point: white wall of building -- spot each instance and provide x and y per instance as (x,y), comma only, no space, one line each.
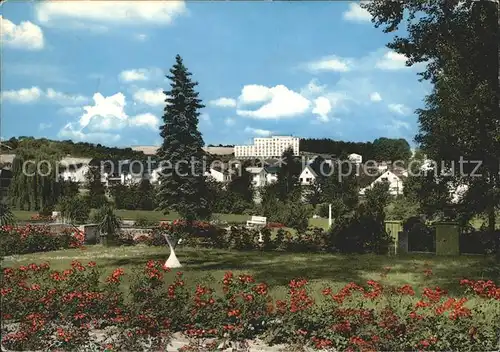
(395,183)
(355,158)
(268,147)
(307,176)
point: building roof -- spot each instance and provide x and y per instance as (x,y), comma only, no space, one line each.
(271,169)
(151,150)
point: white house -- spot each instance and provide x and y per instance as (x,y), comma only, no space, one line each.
(307,176)
(218,175)
(355,158)
(259,176)
(74,169)
(395,183)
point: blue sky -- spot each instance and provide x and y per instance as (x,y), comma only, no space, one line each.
(95,72)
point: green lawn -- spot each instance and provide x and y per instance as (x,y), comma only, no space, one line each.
(278,268)
(157,216)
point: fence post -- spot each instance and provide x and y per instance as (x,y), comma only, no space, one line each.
(447,238)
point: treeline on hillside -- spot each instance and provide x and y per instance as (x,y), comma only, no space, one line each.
(381,149)
(79,149)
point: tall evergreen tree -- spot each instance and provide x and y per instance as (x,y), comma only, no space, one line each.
(288,174)
(95,187)
(182,183)
(242,185)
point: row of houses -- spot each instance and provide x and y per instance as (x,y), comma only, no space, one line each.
(128,172)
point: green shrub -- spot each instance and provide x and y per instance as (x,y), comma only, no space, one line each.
(360,232)
(76,209)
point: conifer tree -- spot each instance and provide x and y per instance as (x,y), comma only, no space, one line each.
(182,182)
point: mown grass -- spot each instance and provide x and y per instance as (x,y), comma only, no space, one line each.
(156,216)
(277,268)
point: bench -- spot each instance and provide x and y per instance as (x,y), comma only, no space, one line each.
(257,221)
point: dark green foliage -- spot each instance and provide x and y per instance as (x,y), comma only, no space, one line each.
(37,186)
(382,149)
(340,186)
(80,149)
(6,215)
(360,232)
(421,236)
(108,222)
(94,186)
(75,209)
(402,208)
(288,175)
(183,188)
(386,149)
(461,118)
(242,185)
(377,198)
(224,201)
(139,196)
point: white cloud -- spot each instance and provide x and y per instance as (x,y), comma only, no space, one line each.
(375,96)
(68,131)
(392,61)
(150,97)
(397,124)
(140,74)
(312,89)
(223,102)
(107,113)
(282,102)
(229,121)
(146,119)
(30,95)
(109,12)
(322,108)
(25,35)
(103,116)
(400,109)
(141,37)
(71,110)
(42,126)
(65,99)
(22,96)
(330,63)
(254,93)
(357,14)
(380,59)
(258,131)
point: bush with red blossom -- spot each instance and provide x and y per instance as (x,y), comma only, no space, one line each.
(44,309)
(36,238)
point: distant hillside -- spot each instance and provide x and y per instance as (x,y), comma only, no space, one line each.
(79,149)
(381,149)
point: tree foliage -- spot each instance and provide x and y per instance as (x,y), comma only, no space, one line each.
(182,188)
(6,215)
(458,40)
(79,149)
(288,175)
(381,149)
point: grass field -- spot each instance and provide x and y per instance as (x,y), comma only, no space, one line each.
(157,216)
(277,269)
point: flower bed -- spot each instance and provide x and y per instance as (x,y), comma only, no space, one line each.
(73,309)
(237,238)
(35,238)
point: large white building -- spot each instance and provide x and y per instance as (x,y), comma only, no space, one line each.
(267,147)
